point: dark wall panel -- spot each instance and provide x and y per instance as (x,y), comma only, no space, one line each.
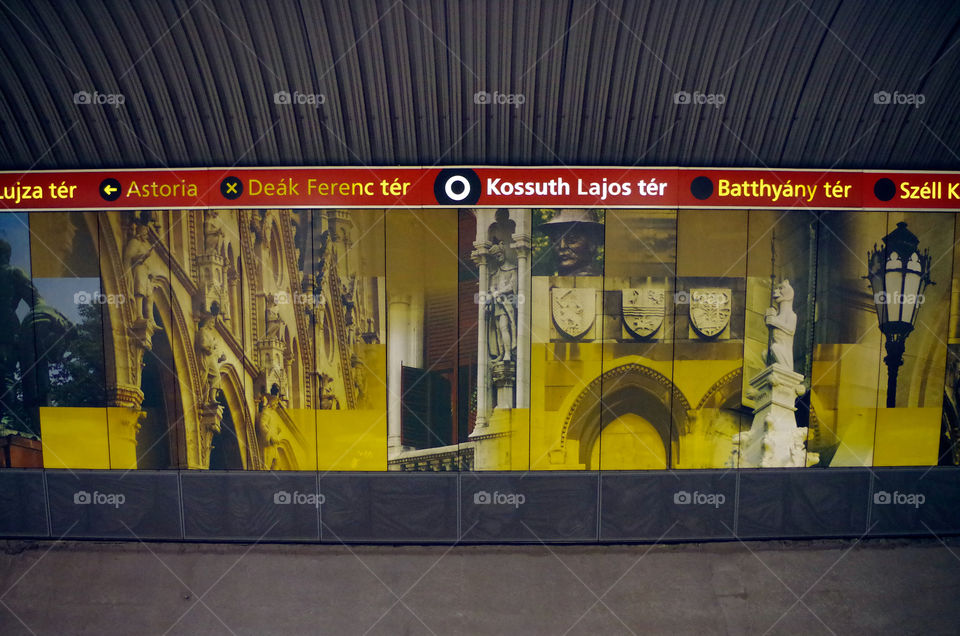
(362,82)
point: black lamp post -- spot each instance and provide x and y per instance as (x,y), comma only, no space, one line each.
(899,273)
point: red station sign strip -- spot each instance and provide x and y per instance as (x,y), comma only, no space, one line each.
(448,187)
(777,189)
(328,187)
(81,189)
(911,190)
(578,187)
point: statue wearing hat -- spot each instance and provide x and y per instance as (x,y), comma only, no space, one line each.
(575,236)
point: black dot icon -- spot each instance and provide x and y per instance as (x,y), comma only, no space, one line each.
(884,189)
(701,188)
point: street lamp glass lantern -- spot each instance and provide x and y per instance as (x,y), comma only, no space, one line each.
(898,273)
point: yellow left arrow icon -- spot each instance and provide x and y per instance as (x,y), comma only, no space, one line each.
(110,189)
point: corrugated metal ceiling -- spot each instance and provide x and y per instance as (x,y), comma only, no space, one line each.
(399,78)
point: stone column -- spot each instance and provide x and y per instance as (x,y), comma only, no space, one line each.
(504,373)
(774,440)
(211,280)
(211,415)
(124,417)
(404,348)
(479,255)
(397,319)
(270,355)
(233,298)
(521,243)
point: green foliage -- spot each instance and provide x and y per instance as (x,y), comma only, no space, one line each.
(15,417)
(78,379)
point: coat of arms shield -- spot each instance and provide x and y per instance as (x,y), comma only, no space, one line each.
(574,310)
(643,309)
(710,310)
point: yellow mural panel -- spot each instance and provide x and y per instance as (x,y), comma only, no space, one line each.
(351,440)
(644,339)
(855,432)
(297,449)
(907,437)
(75,438)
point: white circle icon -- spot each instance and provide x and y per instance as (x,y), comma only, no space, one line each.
(448,189)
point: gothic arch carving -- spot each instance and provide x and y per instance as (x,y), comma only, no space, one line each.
(114,276)
(628,388)
(276,253)
(181,342)
(113,281)
(233,393)
(304,333)
(723,390)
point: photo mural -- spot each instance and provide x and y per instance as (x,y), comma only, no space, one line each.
(479,339)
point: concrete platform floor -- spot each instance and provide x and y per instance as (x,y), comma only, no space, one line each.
(821,587)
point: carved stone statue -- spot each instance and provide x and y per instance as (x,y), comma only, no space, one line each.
(774,440)
(211,358)
(135,255)
(349,300)
(328,399)
(273,324)
(271,349)
(320,309)
(212,232)
(799,456)
(358,376)
(502,307)
(782,323)
(215,279)
(268,433)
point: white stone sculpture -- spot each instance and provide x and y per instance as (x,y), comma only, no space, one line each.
(774,439)
(782,322)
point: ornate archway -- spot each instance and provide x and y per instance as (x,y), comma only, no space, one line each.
(725,392)
(628,389)
(234,437)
